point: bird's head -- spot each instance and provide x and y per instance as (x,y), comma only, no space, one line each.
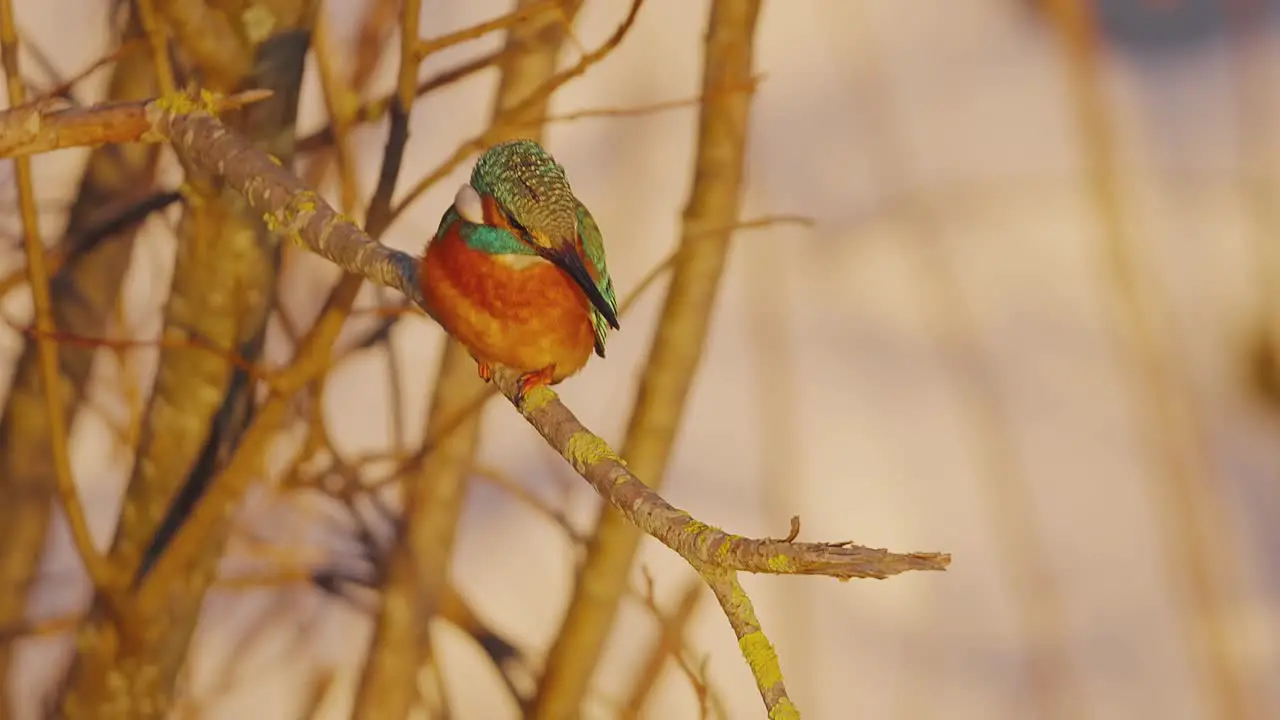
(517,187)
(518,202)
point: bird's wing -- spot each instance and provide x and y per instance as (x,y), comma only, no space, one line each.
(593,249)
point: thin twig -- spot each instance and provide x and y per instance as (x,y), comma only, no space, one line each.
(523,11)
(158,41)
(518,111)
(302,215)
(1196,532)
(676,352)
(101,574)
(51,125)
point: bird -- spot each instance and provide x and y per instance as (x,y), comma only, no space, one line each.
(516,270)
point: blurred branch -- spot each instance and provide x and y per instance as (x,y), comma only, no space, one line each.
(1254,96)
(1026,557)
(378,22)
(52,124)
(371,111)
(521,109)
(158,41)
(337,101)
(128,46)
(514,667)
(90,262)
(300,214)
(675,354)
(523,12)
(418,565)
(667,644)
(391,682)
(222,291)
(212,40)
(1195,531)
(55,410)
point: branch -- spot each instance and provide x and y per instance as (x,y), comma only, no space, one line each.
(52,124)
(701,544)
(303,216)
(523,11)
(100,573)
(211,39)
(418,565)
(291,209)
(530,103)
(90,265)
(222,291)
(1193,524)
(676,352)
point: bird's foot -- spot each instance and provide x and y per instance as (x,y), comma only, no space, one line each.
(484,370)
(531,380)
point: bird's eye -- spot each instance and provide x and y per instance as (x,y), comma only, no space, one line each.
(469,205)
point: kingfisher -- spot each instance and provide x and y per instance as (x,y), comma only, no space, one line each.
(516,270)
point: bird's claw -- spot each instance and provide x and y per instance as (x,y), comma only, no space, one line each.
(485,372)
(531,380)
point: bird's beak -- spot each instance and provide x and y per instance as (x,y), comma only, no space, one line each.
(567,258)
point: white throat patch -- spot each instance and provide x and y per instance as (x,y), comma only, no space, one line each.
(469,205)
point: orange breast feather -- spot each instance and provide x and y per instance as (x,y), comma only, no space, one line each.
(526,318)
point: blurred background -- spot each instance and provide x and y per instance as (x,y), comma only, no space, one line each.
(1035,323)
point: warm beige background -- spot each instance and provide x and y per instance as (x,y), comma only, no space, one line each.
(822,392)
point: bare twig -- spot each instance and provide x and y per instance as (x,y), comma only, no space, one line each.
(210,37)
(113,198)
(158,41)
(418,565)
(522,109)
(1195,530)
(52,125)
(374,110)
(988,426)
(666,645)
(302,215)
(523,12)
(104,579)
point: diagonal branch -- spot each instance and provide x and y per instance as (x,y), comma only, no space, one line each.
(419,563)
(90,263)
(44,125)
(303,216)
(676,352)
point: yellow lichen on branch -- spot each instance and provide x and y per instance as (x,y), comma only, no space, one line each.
(699,543)
(270,189)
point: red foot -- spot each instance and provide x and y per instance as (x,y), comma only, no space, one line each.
(531,380)
(486,372)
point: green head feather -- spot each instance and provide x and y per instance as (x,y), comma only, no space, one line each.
(534,191)
(531,186)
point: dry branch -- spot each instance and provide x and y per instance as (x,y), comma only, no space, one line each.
(47,350)
(676,351)
(418,565)
(1026,556)
(523,11)
(302,215)
(667,644)
(217,46)
(84,289)
(1192,521)
(222,291)
(45,125)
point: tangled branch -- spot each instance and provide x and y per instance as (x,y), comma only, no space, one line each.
(300,214)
